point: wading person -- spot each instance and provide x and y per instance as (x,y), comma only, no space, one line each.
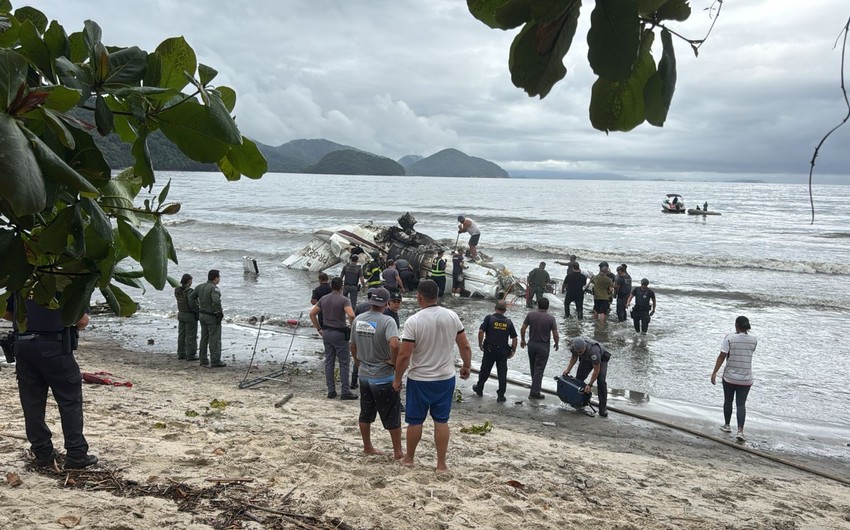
(592,358)
(603,287)
(372,270)
(736,350)
(187,320)
(45,361)
(208,299)
(497,340)
(538,278)
(336,308)
(427,348)
(644,298)
(352,279)
(542,328)
(438,272)
(468,226)
(374,343)
(574,284)
(622,288)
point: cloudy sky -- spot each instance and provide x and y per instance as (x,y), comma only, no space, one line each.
(399,77)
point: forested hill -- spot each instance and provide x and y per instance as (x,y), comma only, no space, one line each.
(309,156)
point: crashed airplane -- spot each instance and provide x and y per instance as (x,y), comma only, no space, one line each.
(482,278)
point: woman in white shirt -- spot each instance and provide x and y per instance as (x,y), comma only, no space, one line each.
(737,351)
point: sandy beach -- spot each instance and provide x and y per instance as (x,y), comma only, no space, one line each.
(179,425)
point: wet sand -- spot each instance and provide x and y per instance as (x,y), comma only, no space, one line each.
(542,465)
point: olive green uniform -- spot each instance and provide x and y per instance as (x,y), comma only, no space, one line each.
(187,324)
(208,298)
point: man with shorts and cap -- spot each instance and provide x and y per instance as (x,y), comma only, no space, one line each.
(427,347)
(591,357)
(467,225)
(603,288)
(374,344)
(644,298)
(494,335)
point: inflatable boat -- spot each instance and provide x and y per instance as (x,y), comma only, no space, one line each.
(692,211)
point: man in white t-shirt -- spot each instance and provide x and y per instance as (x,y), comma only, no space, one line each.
(428,349)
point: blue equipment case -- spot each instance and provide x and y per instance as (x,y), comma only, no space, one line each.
(570,390)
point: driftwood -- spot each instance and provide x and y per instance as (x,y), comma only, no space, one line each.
(229,480)
(283,400)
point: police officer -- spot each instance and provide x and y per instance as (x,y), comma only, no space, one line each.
(644,298)
(538,278)
(45,359)
(591,356)
(187,320)
(352,278)
(372,271)
(493,335)
(622,287)
(438,272)
(208,298)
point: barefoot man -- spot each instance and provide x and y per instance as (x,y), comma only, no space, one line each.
(374,342)
(428,348)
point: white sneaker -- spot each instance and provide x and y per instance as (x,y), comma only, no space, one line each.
(726,428)
(740,436)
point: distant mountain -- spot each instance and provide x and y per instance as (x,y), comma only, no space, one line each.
(453,163)
(409,160)
(298,155)
(353,162)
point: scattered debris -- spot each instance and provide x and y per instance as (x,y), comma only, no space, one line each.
(191,413)
(69,521)
(13,479)
(283,400)
(478,429)
(516,484)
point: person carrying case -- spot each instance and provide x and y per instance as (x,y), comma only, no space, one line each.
(571,392)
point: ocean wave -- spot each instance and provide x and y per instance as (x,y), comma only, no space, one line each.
(834,235)
(759,299)
(701,261)
(255,229)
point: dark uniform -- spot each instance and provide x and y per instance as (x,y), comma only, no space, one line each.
(640,314)
(45,360)
(457,273)
(537,280)
(595,354)
(372,272)
(208,298)
(351,274)
(498,332)
(438,274)
(622,287)
(187,324)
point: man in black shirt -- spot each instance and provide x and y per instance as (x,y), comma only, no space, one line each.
(644,298)
(574,284)
(320,291)
(493,337)
(622,288)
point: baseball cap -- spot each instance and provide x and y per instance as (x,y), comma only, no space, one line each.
(370,292)
(395,297)
(380,296)
(644,281)
(578,344)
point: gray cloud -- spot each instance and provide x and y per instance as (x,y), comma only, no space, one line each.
(399,77)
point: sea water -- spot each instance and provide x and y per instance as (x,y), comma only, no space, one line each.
(761,258)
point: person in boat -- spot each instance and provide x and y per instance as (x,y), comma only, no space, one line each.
(438,272)
(497,339)
(698,207)
(644,298)
(704,206)
(187,321)
(45,360)
(352,279)
(468,226)
(537,280)
(736,351)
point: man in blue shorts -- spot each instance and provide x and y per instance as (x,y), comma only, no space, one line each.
(374,343)
(428,349)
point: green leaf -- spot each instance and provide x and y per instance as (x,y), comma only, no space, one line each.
(53,239)
(485,11)
(196,130)
(33,15)
(79,52)
(23,184)
(44,291)
(117,196)
(155,255)
(224,122)
(647,8)
(227,169)
(164,193)
(58,128)
(659,90)
(131,239)
(102,116)
(75,77)
(619,105)
(15,270)
(548,11)
(124,129)
(57,41)
(613,39)
(96,247)
(127,280)
(55,168)
(76,298)
(206,74)
(87,159)
(36,50)
(228,97)
(9,36)
(177,57)
(513,14)
(61,98)
(536,61)
(143,165)
(121,304)
(98,220)
(247,159)
(127,67)
(78,243)
(677,10)
(91,37)
(14,69)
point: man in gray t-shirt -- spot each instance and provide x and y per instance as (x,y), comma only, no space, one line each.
(335,309)
(374,343)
